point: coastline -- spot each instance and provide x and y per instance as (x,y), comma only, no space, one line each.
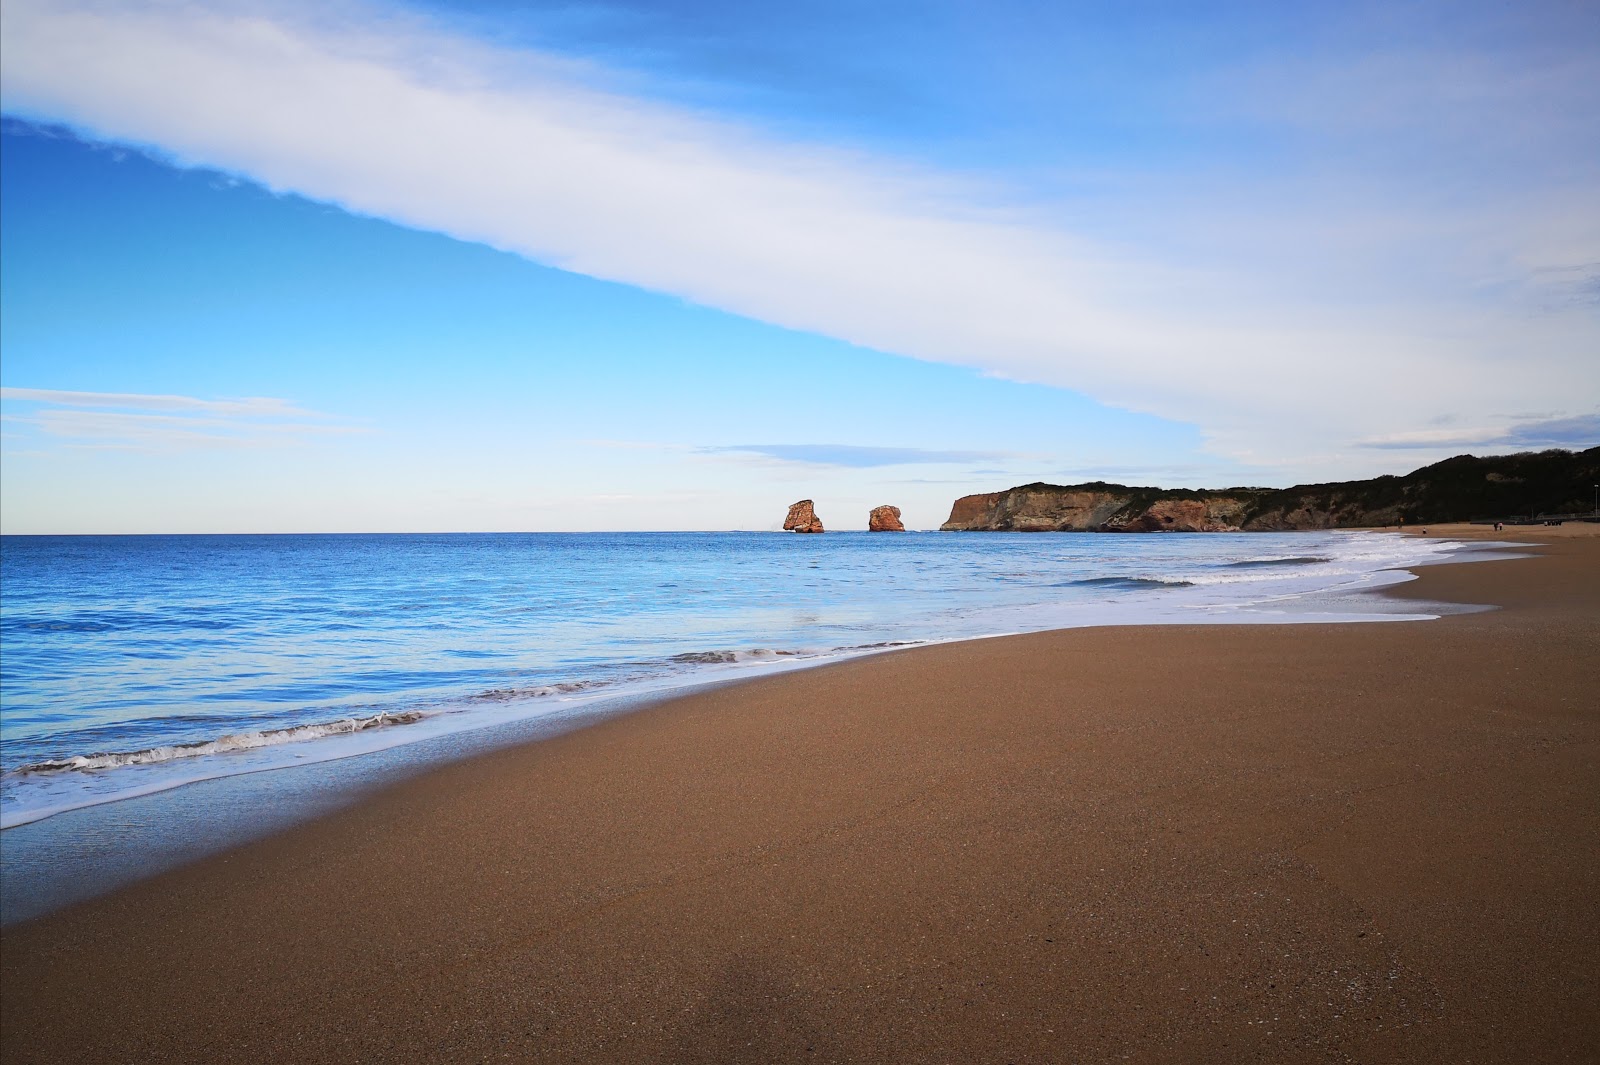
(505,664)
(1180,842)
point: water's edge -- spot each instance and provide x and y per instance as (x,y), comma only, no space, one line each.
(85,852)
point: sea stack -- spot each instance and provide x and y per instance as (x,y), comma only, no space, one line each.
(885,519)
(803,518)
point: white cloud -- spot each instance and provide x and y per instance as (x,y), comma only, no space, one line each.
(133,421)
(856,457)
(1576,433)
(253,406)
(1287,322)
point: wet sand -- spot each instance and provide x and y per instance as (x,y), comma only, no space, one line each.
(1372,843)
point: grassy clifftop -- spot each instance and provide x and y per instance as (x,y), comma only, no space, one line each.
(1463,488)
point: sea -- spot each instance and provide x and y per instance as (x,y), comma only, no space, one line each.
(137,670)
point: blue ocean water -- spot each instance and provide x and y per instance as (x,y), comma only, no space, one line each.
(134,664)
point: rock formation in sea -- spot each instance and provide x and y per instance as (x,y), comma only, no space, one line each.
(1464,488)
(803,518)
(885,519)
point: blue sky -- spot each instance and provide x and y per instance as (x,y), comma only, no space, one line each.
(675,265)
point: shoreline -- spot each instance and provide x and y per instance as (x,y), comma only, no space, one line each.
(1036,846)
(432,728)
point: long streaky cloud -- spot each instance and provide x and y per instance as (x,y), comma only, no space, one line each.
(252,407)
(1577,433)
(397,119)
(163,422)
(857,457)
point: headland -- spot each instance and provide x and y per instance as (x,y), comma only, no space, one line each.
(1551,484)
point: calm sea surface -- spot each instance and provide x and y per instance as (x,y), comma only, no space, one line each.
(130,665)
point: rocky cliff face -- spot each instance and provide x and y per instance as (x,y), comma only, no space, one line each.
(885,519)
(1050,508)
(1097,508)
(1216,514)
(972,512)
(803,518)
(1464,488)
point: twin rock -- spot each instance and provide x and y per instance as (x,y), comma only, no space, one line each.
(803,519)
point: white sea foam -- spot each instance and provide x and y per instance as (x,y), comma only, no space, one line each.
(242,741)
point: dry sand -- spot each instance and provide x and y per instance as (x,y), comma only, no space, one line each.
(1370,843)
(1535,534)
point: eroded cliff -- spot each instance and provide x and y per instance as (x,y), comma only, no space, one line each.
(1098,507)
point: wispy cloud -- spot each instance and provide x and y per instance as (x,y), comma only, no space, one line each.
(855,457)
(1287,316)
(123,420)
(1575,433)
(256,407)
(1576,284)
(1163,474)
(930,480)
(638,445)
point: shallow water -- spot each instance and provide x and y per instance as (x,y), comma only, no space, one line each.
(137,664)
(822,599)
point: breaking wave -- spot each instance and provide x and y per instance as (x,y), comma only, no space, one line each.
(712,658)
(242,741)
(1257,563)
(1127,583)
(538,691)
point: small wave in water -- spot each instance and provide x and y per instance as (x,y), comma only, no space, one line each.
(538,691)
(712,658)
(243,741)
(1258,563)
(1130,583)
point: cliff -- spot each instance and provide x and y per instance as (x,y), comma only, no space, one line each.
(1100,507)
(972,512)
(1464,488)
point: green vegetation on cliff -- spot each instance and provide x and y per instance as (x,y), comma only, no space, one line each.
(1464,488)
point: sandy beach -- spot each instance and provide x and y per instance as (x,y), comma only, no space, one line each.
(1319,843)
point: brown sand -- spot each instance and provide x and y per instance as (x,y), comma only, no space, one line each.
(1535,534)
(1308,843)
